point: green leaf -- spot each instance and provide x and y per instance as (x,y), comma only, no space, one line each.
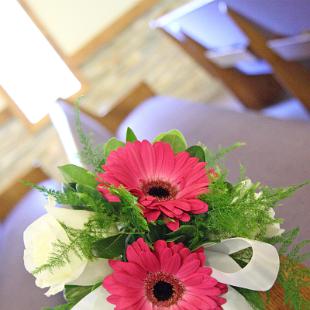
(253,297)
(110,247)
(79,175)
(90,155)
(61,307)
(130,136)
(131,214)
(185,232)
(175,138)
(111,145)
(213,158)
(74,293)
(156,231)
(225,150)
(197,151)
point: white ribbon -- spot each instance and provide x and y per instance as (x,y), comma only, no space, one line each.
(259,274)
(96,300)
(234,301)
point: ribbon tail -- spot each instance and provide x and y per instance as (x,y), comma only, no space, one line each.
(235,300)
(259,274)
(96,300)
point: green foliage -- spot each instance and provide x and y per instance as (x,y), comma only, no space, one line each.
(175,138)
(131,215)
(90,155)
(79,175)
(234,211)
(213,158)
(110,247)
(77,196)
(276,194)
(197,151)
(292,276)
(61,307)
(74,293)
(254,298)
(156,232)
(184,234)
(242,257)
(111,145)
(130,135)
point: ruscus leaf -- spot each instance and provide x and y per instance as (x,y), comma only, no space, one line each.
(111,145)
(197,151)
(175,138)
(79,175)
(130,135)
(110,247)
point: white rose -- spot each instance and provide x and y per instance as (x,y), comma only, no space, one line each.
(243,187)
(274,229)
(39,240)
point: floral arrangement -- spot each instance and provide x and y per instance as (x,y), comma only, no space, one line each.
(157,225)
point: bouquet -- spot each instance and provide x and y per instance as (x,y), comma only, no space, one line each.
(157,225)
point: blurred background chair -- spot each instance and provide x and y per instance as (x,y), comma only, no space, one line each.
(259,65)
(288,55)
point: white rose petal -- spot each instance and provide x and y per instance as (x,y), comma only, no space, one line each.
(274,229)
(72,218)
(93,273)
(246,184)
(39,240)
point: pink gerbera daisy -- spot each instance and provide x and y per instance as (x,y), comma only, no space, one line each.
(171,277)
(166,184)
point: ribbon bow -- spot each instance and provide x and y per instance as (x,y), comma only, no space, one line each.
(259,274)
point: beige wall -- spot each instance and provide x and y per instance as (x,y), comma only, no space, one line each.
(73,23)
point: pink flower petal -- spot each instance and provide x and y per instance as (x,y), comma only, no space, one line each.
(136,165)
(133,283)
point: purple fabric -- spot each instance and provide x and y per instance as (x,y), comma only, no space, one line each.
(17,286)
(277,152)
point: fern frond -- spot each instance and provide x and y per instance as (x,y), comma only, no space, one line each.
(90,155)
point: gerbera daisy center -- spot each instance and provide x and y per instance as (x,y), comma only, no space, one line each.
(163,289)
(160,189)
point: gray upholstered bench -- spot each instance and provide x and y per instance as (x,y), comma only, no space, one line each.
(277,153)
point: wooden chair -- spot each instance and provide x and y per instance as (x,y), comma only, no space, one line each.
(291,74)
(255,91)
